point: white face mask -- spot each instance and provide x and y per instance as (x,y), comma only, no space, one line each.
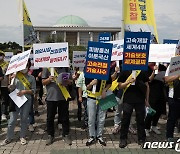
(24,71)
(1,57)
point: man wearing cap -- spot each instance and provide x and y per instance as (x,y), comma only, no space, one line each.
(4,87)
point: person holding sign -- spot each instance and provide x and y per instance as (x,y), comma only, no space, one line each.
(173,102)
(134,97)
(57,97)
(94,111)
(157,98)
(25,85)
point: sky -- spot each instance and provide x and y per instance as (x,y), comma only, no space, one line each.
(100,13)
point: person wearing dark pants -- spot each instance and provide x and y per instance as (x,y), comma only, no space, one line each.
(1,78)
(5,102)
(4,87)
(82,99)
(174,114)
(56,98)
(140,114)
(157,97)
(135,97)
(62,112)
(173,102)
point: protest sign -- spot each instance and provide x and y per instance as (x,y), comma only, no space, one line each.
(161,52)
(174,67)
(18,100)
(8,56)
(18,62)
(98,60)
(117,50)
(51,55)
(136,50)
(79,58)
(167,41)
(104,37)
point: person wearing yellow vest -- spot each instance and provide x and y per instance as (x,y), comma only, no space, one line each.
(96,116)
(134,97)
(4,87)
(26,85)
(173,102)
(57,97)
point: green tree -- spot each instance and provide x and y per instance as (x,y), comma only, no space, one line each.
(10,47)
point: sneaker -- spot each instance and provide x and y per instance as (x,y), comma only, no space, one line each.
(101,140)
(123,143)
(67,139)
(23,141)
(31,128)
(3,117)
(147,131)
(50,140)
(36,113)
(5,142)
(155,130)
(116,129)
(60,126)
(90,141)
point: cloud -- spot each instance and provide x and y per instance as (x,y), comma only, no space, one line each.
(96,12)
(167,28)
(9,33)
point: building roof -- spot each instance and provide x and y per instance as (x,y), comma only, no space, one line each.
(71,21)
(78,29)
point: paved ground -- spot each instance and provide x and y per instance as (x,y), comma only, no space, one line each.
(36,140)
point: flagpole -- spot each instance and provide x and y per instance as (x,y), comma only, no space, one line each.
(122,29)
(22,25)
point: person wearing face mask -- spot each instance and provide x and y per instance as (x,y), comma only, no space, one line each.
(26,85)
(4,87)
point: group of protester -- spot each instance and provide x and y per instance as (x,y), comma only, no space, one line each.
(146,90)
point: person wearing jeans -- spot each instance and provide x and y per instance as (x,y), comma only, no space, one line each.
(117,116)
(27,90)
(96,117)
